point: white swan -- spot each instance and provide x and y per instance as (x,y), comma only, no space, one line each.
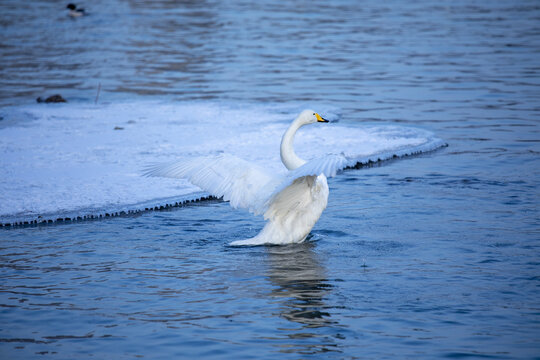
(291,203)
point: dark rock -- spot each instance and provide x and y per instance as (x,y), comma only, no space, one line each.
(52,99)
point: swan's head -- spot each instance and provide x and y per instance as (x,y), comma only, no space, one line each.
(310,117)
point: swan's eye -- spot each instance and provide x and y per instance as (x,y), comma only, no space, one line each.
(313,113)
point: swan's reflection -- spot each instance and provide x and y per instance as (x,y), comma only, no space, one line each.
(300,282)
(301,288)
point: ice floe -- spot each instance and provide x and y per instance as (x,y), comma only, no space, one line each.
(71,160)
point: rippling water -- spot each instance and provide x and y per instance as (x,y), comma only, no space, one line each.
(434,256)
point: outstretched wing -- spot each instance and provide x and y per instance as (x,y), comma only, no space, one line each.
(242,183)
(328,165)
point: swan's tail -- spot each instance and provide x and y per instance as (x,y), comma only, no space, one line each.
(254,241)
(269,234)
(273,234)
(265,236)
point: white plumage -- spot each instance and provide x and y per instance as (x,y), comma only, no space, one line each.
(291,204)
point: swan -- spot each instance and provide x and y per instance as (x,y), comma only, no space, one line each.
(291,203)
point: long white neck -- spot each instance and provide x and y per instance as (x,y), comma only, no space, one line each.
(288,157)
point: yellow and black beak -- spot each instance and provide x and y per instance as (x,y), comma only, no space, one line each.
(320,119)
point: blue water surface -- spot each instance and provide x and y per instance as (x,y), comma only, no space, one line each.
(433,256)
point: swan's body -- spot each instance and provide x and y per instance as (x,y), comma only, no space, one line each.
(291,204)
(293,212)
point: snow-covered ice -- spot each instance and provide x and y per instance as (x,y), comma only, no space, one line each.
(69,160)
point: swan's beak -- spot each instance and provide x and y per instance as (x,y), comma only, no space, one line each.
(320,119)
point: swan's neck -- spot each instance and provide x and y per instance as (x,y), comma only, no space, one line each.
(288,157)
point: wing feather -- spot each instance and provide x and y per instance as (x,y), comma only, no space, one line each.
(328,165)
(242,183)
